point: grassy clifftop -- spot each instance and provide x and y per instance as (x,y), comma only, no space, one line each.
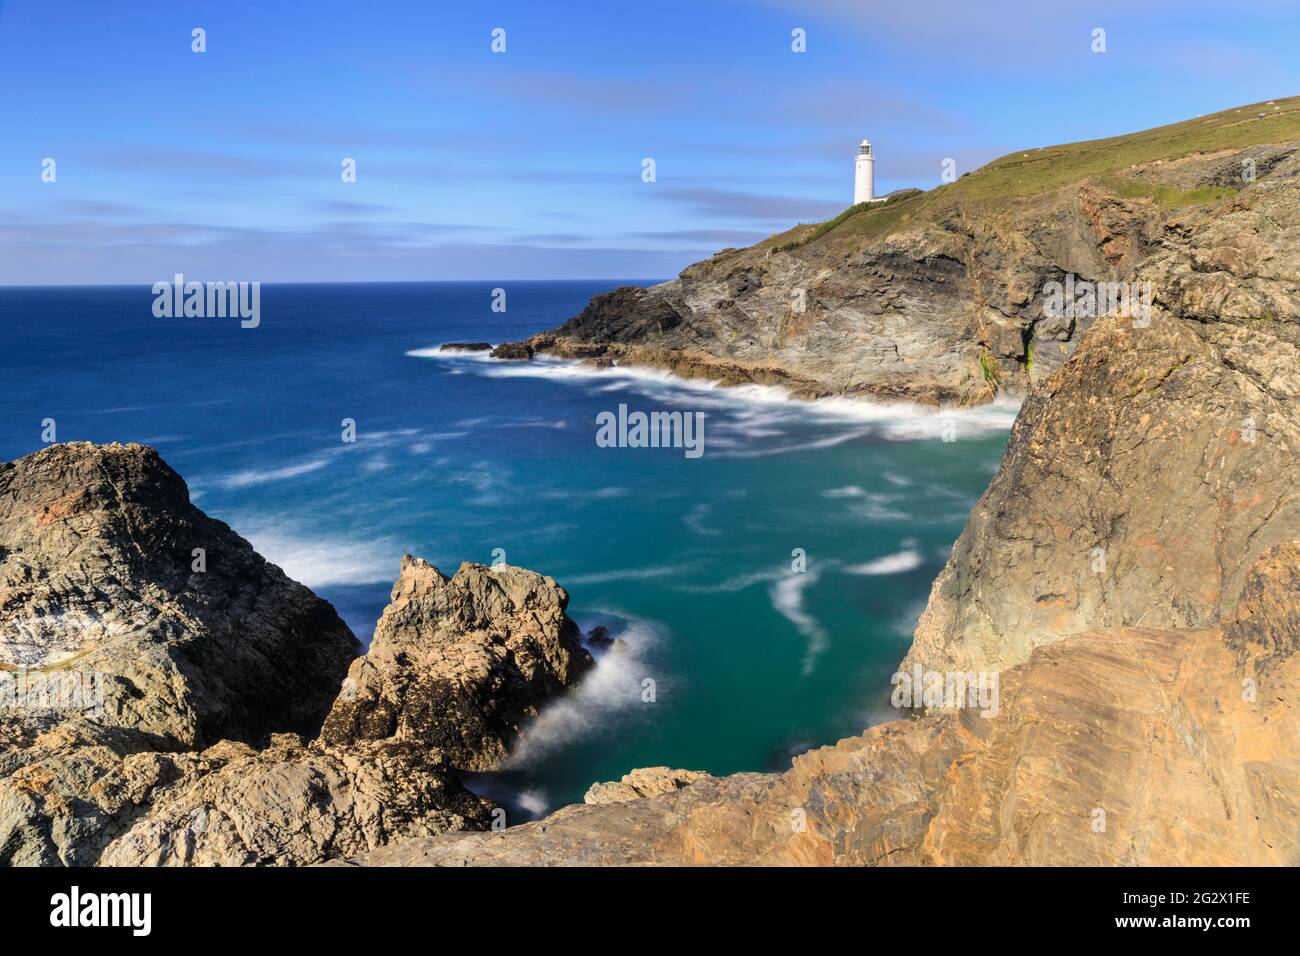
(1023,174)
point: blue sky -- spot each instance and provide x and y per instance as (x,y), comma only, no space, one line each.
(527,164)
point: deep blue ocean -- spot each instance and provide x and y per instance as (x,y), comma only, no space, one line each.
(688,560)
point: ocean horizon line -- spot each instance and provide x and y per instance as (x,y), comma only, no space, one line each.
(349,282)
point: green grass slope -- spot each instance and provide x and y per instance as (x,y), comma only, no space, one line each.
(1023,174)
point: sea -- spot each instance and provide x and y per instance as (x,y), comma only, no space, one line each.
(763,591)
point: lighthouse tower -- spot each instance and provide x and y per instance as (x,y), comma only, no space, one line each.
(864,174)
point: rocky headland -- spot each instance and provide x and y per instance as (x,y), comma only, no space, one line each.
(1131,575)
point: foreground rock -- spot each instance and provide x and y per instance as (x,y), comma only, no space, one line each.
(294,804)
(459,663)
(97,575)
(95,535)
(644,782)
(454,668)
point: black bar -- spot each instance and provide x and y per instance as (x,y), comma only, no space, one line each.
(347,905)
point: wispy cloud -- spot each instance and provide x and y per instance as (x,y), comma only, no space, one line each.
(729,204)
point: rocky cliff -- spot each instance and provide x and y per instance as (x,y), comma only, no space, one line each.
(459,663)
(106,567)
(193,730)
(1145,478)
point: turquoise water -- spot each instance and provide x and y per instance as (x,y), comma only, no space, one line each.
(688,560)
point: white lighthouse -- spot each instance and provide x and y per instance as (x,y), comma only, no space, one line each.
(864,174)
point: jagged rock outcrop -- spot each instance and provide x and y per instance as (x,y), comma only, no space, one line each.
(642,782)
(455,666)
(295,804)
(97,575)
(102,535)
(459,663)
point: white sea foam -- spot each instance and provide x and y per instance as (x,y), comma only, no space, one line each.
(488,481)
(849,491)
(535,423)
(411,439)
(905,623)
(609,694)
(456,355)
(737,583)
(829,441)
(585,494)
(694,519)
(895,563)
(261,476)
(756,410)
(323,561)
(534,800)
(787,597)
(621,574)
(877,506)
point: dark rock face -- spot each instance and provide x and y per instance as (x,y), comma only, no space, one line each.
(1265,631)
(466,346)
(943,313)
(459,663)
(96,575)
(944,309)
(518,351)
